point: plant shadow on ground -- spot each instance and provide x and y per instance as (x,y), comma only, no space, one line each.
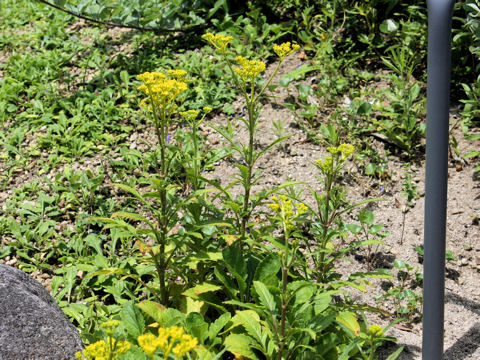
(470,341)
(379,260)
(409,351)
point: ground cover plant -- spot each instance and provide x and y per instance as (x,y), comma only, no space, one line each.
(113,139)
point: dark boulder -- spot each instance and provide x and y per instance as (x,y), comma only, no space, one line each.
(32,326)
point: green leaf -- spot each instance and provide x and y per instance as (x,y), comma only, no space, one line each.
(267,268)
(201,289)
(218,325)
(239,345)
(132,319)
(353,228)
(364,109)
(163,316)
(349,320)
(388,26)
(197,326)
(265,296)
(94,242)
(365,217)
(251,322)
(228,284)
(234,261)
(132,216)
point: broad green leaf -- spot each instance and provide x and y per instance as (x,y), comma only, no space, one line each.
(354,228)
(234,261)
(349,320)
(201,289)
(267,268)
(197,326)
(364,109)
(365,216)
(132,319)
(265,296)
(251,322)
(345,355)
(239,345)
(191,305)
(94,242)
(388,26)
(163,316)
(218,325)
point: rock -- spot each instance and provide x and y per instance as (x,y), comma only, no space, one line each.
(32,325)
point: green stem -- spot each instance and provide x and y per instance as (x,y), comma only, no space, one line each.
(195,156)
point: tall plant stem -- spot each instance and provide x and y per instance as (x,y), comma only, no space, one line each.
(159,259)
(325,225)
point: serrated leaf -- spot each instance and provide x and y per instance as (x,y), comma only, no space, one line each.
(218,325)
(197,326)
(239,345)
(349,320)
(132,216)
(267,268)
(201,289)
(132,319)
(152,309)
(265,296)
(251,322)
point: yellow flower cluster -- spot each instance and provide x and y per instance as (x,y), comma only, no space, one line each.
(100,350)
(285,49)
(207,109)
(375,330)
(340,152)
(344,149)
(169,340)
(219,41)
(160,89)
(178,74)
(326,164)
(110,326)
(190,115)
(283,206)
(249,69)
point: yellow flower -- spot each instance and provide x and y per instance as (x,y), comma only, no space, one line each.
(148,343)
(219,41)
(285,49)
(190,115)
(207,109)
(169,340)
(177,74)
(249,69)
(100,350)
(375,330)
(326,164)
(346,150)
(283,206)
(110,326)
(301,209)
(160,89)
(186,344)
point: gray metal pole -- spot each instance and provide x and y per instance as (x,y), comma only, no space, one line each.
(438,94)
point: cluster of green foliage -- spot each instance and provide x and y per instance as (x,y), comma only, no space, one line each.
(140,235)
